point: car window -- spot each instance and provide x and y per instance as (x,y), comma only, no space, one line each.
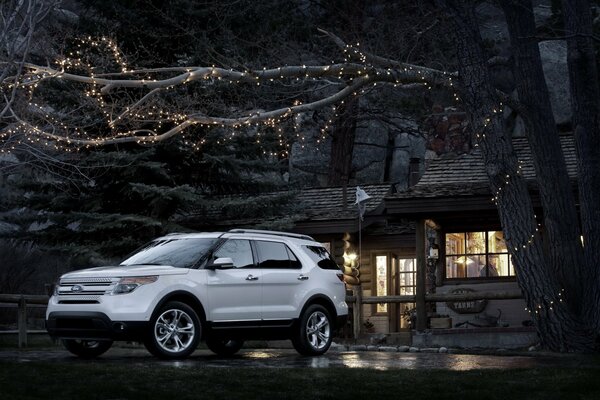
(276,255)
(294,262)
(173,251)
(239,251)
(321,256)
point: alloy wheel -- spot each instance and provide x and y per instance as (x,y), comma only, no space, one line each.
(174,330)
(318,330)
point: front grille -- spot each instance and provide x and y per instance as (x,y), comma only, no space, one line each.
(78,299)
(78,302)
(86,290)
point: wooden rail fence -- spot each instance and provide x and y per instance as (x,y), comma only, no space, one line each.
(23,300)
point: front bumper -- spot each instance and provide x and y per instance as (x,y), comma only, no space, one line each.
(93,326)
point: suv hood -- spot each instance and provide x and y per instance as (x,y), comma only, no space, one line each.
(125,271)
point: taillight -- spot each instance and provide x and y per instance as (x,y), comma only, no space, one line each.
(340,276)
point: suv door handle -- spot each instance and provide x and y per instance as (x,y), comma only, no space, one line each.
(251,278)
(302,277)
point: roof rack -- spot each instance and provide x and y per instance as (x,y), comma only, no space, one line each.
(274,233)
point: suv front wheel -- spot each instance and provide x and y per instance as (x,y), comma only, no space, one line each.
(174,331)
(313,334)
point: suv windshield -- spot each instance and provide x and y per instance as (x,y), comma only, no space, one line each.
(175,252)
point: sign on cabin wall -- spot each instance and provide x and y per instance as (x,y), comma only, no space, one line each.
(466,307)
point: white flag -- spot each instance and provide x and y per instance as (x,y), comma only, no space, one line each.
(361,201)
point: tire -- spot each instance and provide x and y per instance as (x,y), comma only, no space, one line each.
(224,347)
(314,331)
(87,348)
(174,331)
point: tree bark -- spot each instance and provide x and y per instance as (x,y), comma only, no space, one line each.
(561,223)
(585,98)
(342,144)
(558,327)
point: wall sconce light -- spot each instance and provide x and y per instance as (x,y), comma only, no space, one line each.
(349,258)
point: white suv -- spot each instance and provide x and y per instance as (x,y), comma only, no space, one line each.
(223,288)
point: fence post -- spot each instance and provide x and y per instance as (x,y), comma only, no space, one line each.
(357,311)
(22,322)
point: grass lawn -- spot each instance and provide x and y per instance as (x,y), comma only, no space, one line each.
(82,381)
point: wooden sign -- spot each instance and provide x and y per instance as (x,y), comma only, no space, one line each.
(468,306)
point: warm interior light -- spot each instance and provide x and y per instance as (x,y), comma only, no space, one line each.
(464,260)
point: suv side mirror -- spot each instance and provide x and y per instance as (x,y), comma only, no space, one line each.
(221,263)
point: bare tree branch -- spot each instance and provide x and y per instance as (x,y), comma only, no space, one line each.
(388,62)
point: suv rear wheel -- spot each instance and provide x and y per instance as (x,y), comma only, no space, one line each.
(224,347)
(174,331)
(87,348)
(313,335)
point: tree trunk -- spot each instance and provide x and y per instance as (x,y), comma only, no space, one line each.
(585,97)
(561,223)
(342,144)
(557,326)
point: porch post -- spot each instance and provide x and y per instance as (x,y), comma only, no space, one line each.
(421,275)
(357,312)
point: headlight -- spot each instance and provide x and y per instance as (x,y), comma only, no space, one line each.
(128,285)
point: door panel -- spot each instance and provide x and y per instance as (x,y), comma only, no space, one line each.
(407,269)
(282,275)
(235,294)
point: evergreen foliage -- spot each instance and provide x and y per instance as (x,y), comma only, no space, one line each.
(98,204)
(116,200)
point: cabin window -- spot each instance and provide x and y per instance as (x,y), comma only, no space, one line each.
(477,255)
(381,277)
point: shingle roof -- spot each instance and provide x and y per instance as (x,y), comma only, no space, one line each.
(328,203)
(464,175)
(314,204)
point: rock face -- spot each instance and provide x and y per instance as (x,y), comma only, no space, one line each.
(494,30)
(382,153)
(385,148)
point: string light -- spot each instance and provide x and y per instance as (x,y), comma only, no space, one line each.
(546,304)
(356,69)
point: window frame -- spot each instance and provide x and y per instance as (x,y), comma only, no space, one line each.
(481,279)
(252,250)
(390,255)
(256,251)
(374,255)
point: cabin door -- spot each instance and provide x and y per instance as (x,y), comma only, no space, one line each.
(402,282)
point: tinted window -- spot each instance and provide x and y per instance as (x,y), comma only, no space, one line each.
(276,255)
(239,251)
(180,253)
(321,256)
(294,262)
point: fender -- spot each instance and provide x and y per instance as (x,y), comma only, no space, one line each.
(324,301)
(184,297)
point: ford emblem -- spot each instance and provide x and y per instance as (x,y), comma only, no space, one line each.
(76,288)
